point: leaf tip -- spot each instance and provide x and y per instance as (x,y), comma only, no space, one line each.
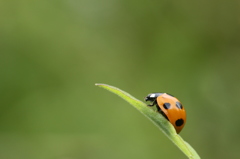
(100,84)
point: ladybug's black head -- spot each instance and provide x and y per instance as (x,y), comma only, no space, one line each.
(152,96)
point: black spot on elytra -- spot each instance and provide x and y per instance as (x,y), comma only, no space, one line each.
(166,105)
(179,105)
(179,122)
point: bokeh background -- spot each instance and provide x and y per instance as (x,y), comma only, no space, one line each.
(53,52)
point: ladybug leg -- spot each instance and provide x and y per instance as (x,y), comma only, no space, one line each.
(158,108)
(154,103)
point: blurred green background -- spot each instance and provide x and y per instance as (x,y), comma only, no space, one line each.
(52,53)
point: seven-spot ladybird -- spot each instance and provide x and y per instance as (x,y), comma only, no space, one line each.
(170,107)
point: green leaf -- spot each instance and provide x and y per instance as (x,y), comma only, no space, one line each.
(164,125)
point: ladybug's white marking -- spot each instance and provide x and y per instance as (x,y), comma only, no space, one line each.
(152,95)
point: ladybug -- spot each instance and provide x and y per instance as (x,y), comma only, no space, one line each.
(170,107)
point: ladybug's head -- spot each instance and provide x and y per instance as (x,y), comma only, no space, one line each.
(152,96)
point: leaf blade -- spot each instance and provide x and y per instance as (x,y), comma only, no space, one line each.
(156,118)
